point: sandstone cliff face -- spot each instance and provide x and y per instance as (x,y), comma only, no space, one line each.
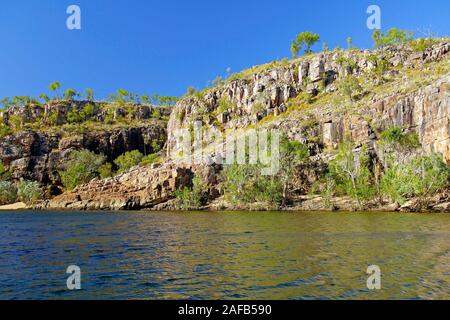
(265,93)
(423,107)
(40,156)
(425,111)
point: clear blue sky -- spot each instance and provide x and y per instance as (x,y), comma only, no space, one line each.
(150,46)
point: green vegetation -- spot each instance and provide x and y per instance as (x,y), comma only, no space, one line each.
(257,108)
(4,174)
(82,167)
(54,87)
(349,43)
(89,94)
(405,176)
(8,192)
(350,172)
(191,91)
(307,39)
(351,87)
(44,97)
(347,62)
(292,153)
(128,160)
(381,66)
(224,104)
(190,198)
(29,191)
(245,184)
(5,130)
(67,115)
(422,44)
(353,172)
(84,115)
(396,137)
(70,94)
(392,37)
(420,177)
(105,170)
(150,159)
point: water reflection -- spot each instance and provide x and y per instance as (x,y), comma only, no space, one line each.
(224,255)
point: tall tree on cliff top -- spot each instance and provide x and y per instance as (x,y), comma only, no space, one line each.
(54,87)
(307,39)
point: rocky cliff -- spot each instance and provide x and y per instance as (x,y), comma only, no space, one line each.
(267,98)
(304,98)
(148,187)
(39,153)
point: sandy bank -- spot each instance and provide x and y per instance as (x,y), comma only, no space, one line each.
(14,206)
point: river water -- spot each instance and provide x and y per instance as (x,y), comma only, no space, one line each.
(242,255)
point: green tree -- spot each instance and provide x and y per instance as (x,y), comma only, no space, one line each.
(393,36)
(398,36)
(24,100)
(88,111)
(29,191)
(54,87)
(244,183)
(16,122)
(44,97)
(292,153)
(225,104)
(122,96)
(128,160)
(422,176)
(5,130)
(191,91)
(381,66)
(89,94)
(420,45)
(70,94)
(150,159)
(349,42)
(5,102)
(307,39)
(82,167)
(350,171)
(350,87)
(378,38)
(105,170)
(74,117)
(190,198)
(4,173)
(145,99)
(8,192)
(397,140)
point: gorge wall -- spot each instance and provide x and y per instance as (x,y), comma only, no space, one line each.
(300,97)
(268,94)
(40,154)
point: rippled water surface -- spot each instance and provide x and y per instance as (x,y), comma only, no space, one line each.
(224,255)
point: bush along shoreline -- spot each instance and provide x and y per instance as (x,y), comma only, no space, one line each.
(362,130)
